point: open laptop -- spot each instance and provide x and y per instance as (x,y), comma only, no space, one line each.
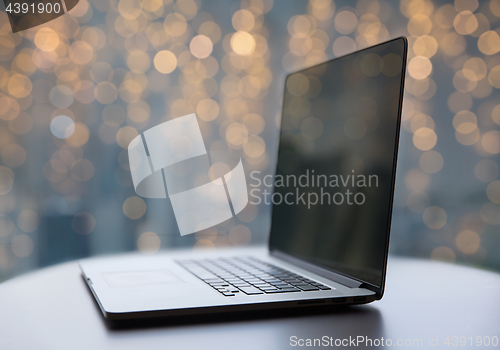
(331,207)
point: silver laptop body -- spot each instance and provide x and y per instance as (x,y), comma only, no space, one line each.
(339,251)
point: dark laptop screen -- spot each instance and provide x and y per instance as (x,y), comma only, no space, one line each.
(336,165)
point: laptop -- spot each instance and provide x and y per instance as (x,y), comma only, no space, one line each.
(331,198)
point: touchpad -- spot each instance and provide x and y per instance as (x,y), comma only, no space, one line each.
(140,278)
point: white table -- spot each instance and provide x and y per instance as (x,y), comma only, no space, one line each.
(53,309)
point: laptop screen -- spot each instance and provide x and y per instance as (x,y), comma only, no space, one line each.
(334,182)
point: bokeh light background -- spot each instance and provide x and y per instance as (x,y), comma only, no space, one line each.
(76,90)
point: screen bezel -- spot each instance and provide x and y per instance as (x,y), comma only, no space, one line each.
(316,268)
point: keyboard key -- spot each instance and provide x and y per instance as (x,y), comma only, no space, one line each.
(250,290)
(228,294)
(301,285)
(242,284)
(284,286)
(282,290)
(266,287)
(252,280)
(307,289)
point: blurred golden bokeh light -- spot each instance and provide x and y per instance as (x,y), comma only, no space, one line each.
(243,43)
(75,91)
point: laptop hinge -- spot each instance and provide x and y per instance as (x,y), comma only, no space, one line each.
(336,277)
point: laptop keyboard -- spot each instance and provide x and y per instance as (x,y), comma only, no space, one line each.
(248,276)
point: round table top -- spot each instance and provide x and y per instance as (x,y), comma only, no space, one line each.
(429,302)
